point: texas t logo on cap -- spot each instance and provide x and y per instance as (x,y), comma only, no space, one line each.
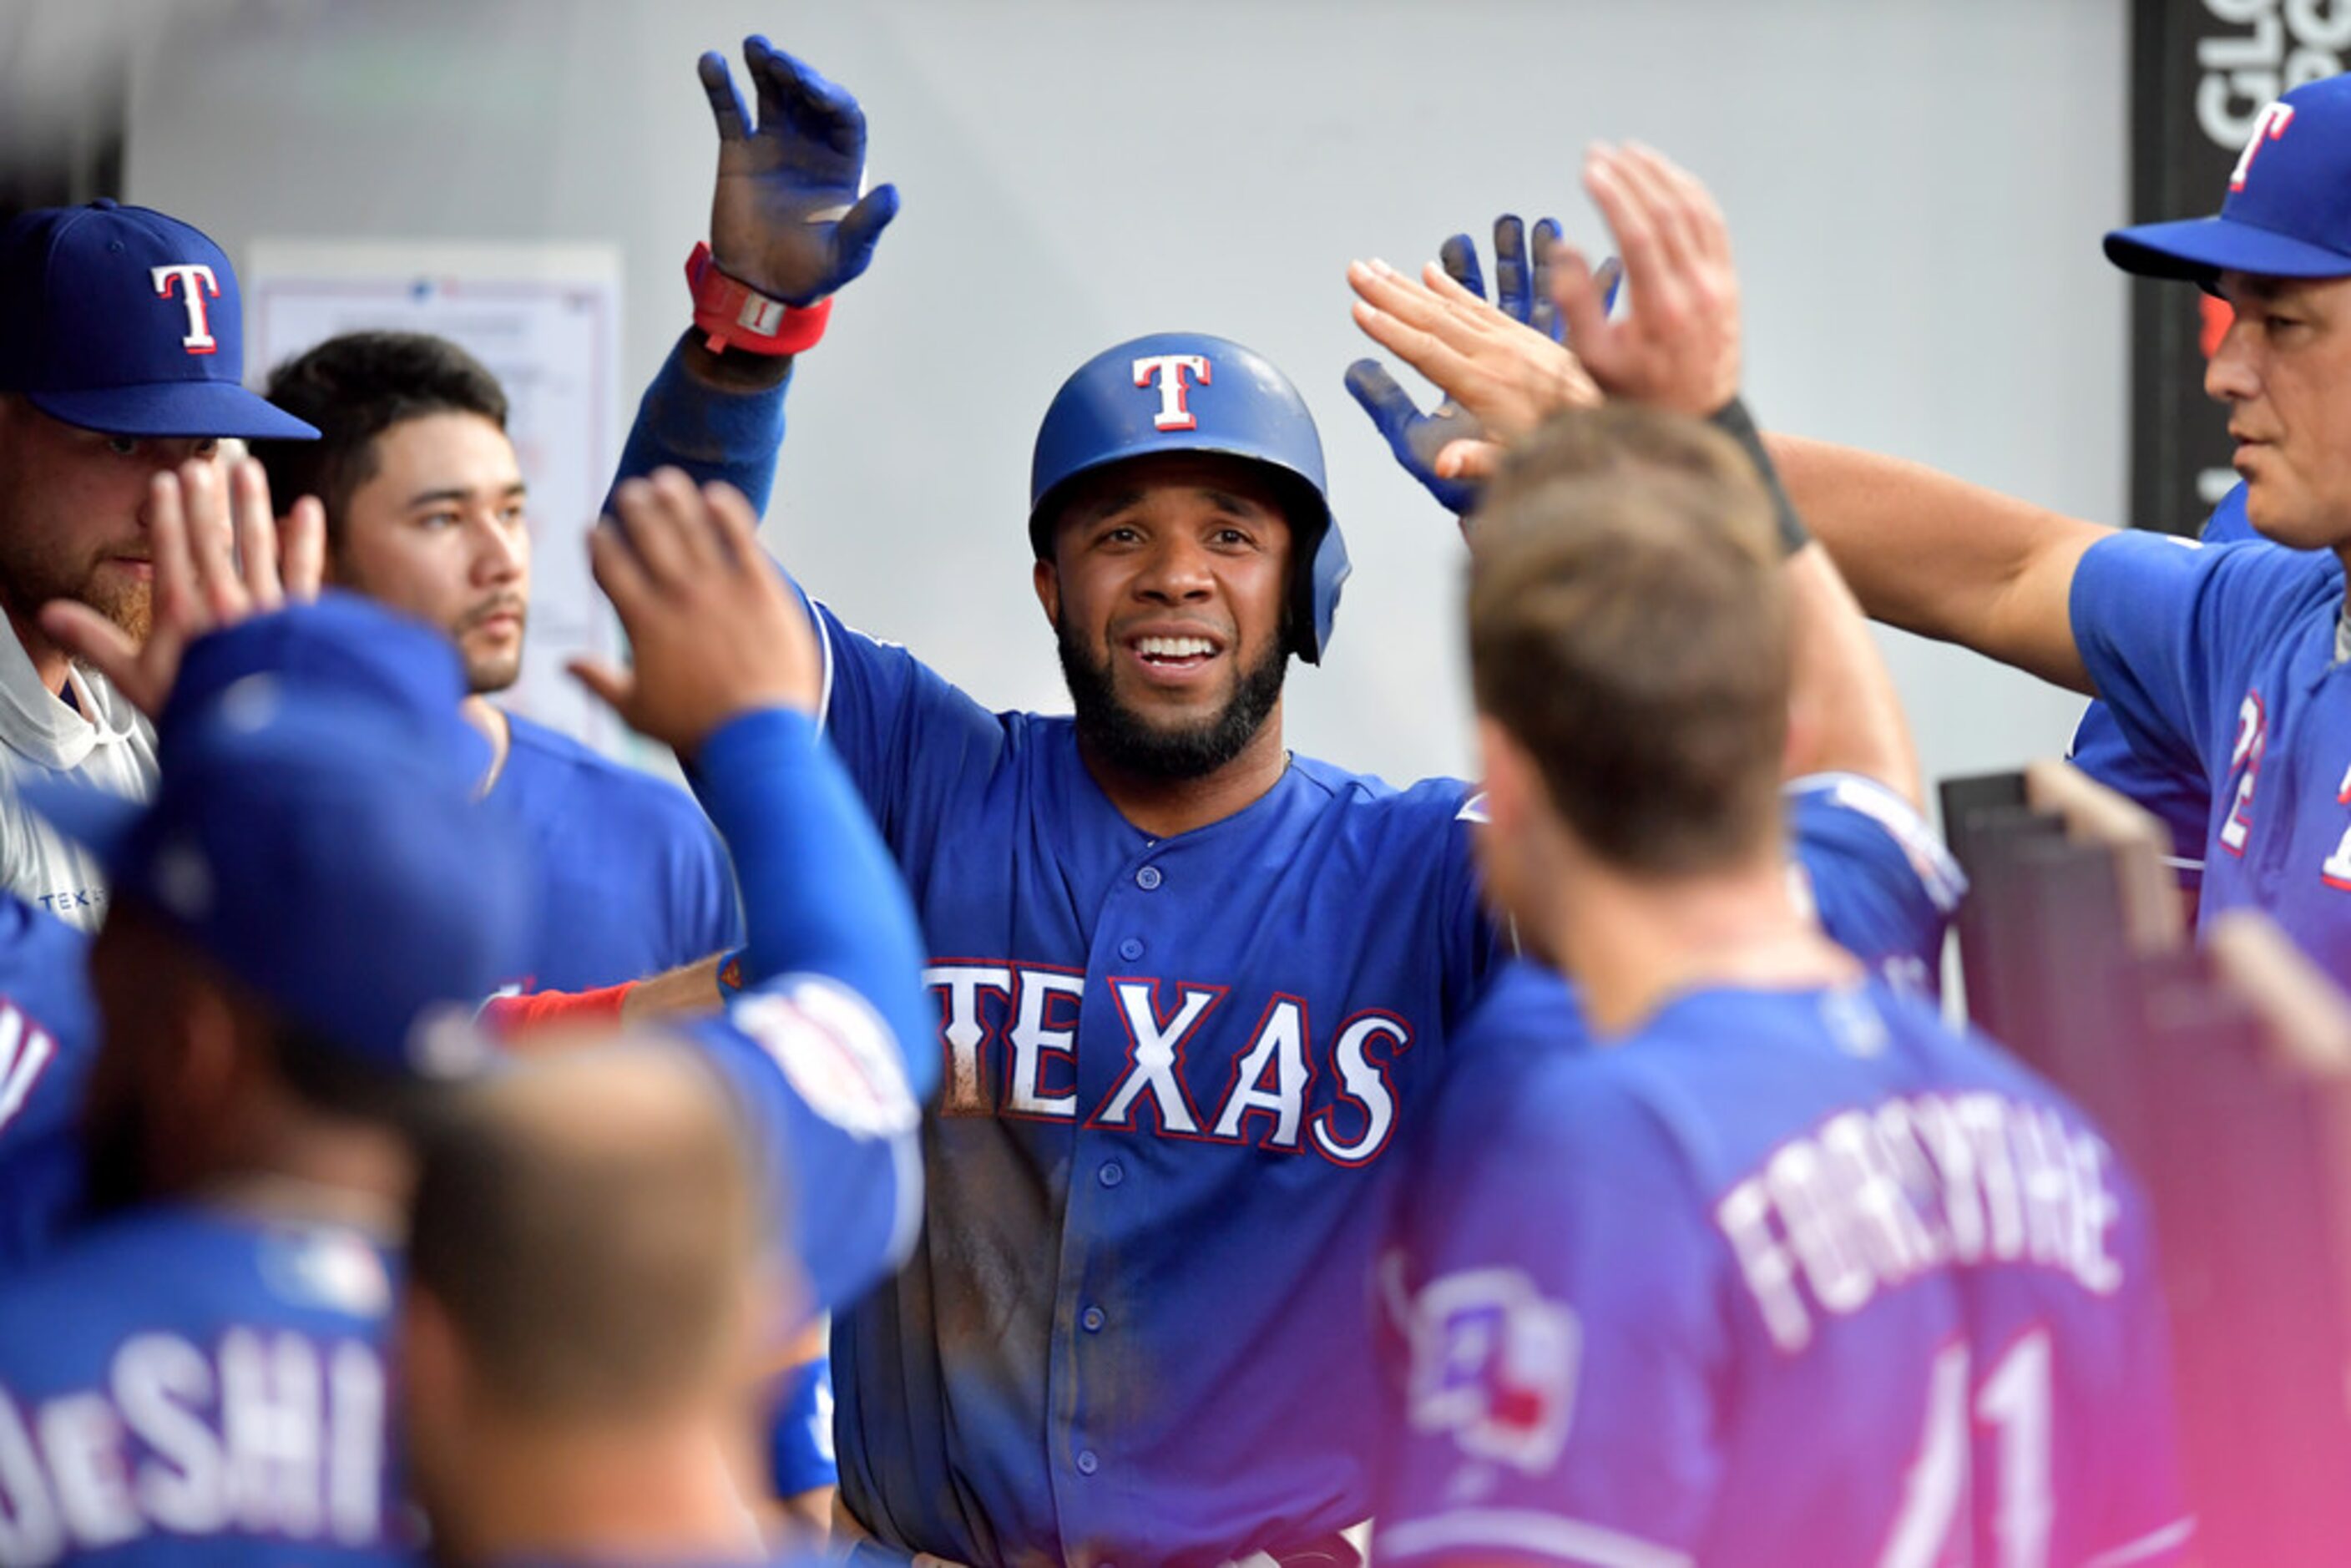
(2287,212)
(193,281)
(126,320)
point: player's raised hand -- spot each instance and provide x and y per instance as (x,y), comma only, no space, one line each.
(789,215)
(219,556)
(1678,346)
(1501,377)
(714,632)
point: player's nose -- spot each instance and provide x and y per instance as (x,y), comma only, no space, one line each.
(2230,375)
(1177,570)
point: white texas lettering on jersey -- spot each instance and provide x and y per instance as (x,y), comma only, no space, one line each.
(196,281)
(1027,1016)
(1175,412)
(269,1434)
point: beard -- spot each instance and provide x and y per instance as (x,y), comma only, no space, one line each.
(32,575)
(487,672)
(1133,744)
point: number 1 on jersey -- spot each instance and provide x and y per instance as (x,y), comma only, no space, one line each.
(2014,1402)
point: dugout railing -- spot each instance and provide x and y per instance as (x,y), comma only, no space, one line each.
(2222,1072)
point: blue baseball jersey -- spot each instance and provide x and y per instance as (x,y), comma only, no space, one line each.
(1873,875)
(186,1375)
(1170,1070)
(2177,795)
(637,881)
(189,1376)
(1799,1277)
(48,1038)
(2220,661)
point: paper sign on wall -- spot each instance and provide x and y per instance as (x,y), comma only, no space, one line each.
(546,320)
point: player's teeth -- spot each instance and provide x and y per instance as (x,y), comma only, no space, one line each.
(1174,647)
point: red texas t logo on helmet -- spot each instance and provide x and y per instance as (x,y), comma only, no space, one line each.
(188,275)
(1173,414)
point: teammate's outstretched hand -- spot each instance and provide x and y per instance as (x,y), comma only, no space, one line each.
(1678,346)
(218,557)
(1501,377)
(714,632)
(789,215)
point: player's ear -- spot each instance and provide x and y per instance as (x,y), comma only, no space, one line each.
(1048,579)
(432,1361)
(1508,776)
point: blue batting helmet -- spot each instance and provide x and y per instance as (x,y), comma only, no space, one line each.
(1187,392)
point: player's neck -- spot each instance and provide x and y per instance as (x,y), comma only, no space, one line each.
(49,661)
(1635,943)
(661,1494)
(1164,808)
(486,717)
(323,1168)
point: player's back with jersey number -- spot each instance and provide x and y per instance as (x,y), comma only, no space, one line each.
(190,1384)
(1784,1277)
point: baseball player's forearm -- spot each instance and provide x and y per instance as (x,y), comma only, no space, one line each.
(821,892)
(1848,717)
(1942,558)
(716,416)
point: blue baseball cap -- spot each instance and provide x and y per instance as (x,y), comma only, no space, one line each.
(353,651)
(320,843)
(121,319)
(2288,210)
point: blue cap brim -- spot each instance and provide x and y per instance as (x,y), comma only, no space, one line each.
(98,819)
(195,409)
(2194,249)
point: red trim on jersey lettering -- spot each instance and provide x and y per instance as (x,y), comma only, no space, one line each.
(1045,1019)
(1159,1112)
(947,1106)
(1318,1128)
(1241,1134)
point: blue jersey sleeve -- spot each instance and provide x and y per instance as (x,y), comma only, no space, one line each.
(816,1050)
(1881,882)
(913,740)
(49,1043)
(2169,631)
(2177,795)
(1566,1332)
(709,432)
(799,1433)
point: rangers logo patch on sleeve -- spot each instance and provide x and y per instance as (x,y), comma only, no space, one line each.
(1495,1363)
(836,1052)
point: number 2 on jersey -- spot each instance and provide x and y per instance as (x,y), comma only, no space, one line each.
(2013,1402)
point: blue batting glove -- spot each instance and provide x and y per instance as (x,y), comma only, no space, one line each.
(1523,277)
(1416,437)
(789,215)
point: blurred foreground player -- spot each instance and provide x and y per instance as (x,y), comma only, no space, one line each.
(810,1059)
(425,507)
(121,347)
(1757,1261)
(285,986)
(585,1280)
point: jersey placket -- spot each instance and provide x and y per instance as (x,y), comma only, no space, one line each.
(1107,1182)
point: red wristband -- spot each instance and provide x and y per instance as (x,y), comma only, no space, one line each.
(512,1019)
(738,316)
